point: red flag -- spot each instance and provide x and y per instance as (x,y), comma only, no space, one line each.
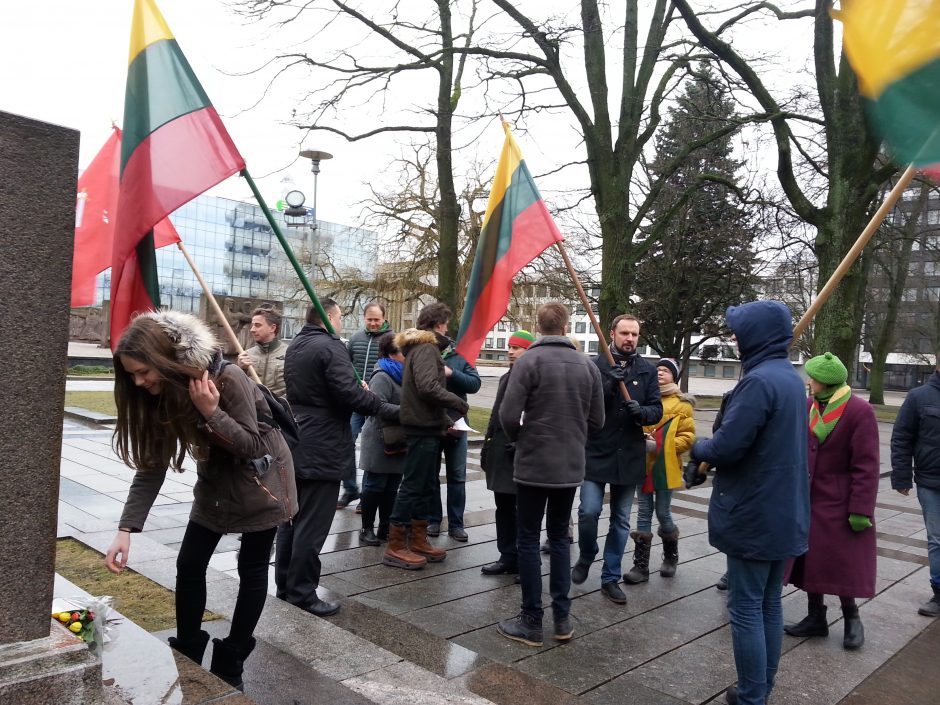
(95,214)
(173,149)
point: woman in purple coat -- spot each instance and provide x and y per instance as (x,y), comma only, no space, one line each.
(844,472)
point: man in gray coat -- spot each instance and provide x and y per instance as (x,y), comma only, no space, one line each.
(553,400)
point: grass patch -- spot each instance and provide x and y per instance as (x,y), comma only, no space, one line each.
(102,402)
(885,412)
(97,370)
(479,418)
(149,605)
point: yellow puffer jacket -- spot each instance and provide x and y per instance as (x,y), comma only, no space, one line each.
(676,440)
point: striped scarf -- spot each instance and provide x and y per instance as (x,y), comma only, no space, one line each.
(822,422)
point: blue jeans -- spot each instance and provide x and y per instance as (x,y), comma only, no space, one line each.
(356,422)
(418,484)
(455,465)
(754,589)
(930,505)
(592,501)
(555,504)
(644,511)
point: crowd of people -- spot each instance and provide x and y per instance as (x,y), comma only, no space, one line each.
(795,482)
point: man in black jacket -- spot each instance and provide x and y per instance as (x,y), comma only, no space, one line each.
(323,391)
(616,455)
(915,457)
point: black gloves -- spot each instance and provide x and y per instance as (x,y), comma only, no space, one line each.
(691,476)
(616,374)
(636,411)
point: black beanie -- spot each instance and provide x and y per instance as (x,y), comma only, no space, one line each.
(670,365)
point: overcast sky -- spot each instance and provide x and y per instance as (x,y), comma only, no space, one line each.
(65,62)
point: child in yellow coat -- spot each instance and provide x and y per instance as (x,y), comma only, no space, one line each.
(667,441)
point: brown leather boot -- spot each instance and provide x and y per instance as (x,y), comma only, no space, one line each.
(397,554)
(419,542)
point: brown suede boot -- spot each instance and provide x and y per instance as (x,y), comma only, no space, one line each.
(419,542)
(397,554)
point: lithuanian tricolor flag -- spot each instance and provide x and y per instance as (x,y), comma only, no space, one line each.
(894,47)
(174,147)
(517,228)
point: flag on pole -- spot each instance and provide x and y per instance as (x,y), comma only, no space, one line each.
(174,148)
(95,213)
(894,47)
(517,228)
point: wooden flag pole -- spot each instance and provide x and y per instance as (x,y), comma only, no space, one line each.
(590,311)
(853,254)
(846,263)
(216,308)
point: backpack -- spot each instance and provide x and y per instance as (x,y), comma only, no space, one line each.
(281,418)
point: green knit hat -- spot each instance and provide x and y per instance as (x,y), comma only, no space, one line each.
(521,339)
(827,369)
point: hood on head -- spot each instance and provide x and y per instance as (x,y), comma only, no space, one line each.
(763,329)
(414,336)
(194,343)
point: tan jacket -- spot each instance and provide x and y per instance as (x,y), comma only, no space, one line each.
(270,365)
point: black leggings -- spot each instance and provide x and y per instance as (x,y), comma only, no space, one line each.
(191,564)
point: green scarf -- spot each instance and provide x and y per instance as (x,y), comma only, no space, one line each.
(823,421)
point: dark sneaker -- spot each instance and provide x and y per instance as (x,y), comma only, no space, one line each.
(522,628)
(563,629)
(580,572)
(458,534)
(731,695)
(434,528)
(321,608)
(367,537)
(347,497)
(722,585)
(613,593)
(931,608)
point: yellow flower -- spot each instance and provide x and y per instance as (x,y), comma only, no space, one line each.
(75,627)
(64,616)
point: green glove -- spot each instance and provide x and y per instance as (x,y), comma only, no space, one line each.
(859,522)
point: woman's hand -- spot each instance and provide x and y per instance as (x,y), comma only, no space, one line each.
(205,395)
(121,546)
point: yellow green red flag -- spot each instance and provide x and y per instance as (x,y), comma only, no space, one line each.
(894,47)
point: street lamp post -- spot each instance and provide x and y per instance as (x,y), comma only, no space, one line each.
(315,156)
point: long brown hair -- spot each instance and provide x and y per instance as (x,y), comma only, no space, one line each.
(154,432)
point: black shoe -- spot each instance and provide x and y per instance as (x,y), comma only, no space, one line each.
(499,568)
(563,629)
(731,695)
(580,572)
(434,528)
(722,585)
(813,624)
(194,649)
(347,497)
(458,534)
(613,593)
(931,608)
(368,538)
(322,608)
(854,635)
(228,660)
(522,628)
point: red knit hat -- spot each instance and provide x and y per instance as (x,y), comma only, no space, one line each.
(521,339)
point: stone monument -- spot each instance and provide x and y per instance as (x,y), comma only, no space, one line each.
(40,662)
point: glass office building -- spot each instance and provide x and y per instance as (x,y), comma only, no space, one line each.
(238,254)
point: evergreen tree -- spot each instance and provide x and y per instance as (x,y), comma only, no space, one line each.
(700,255)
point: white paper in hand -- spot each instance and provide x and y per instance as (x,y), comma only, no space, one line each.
(462,426)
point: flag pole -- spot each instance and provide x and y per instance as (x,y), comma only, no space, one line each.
(852,254)
(590,312)
(223,321)
(288,251)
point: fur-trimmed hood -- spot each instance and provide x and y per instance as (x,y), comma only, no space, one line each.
(195,344)
(414,336)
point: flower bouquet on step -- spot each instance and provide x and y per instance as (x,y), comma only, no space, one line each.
(87,618)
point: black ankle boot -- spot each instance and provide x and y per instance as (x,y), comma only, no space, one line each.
(193,648)
(228,660)
(813,624)
(854,631)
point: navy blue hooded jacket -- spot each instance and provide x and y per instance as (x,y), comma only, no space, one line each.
(759,507)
